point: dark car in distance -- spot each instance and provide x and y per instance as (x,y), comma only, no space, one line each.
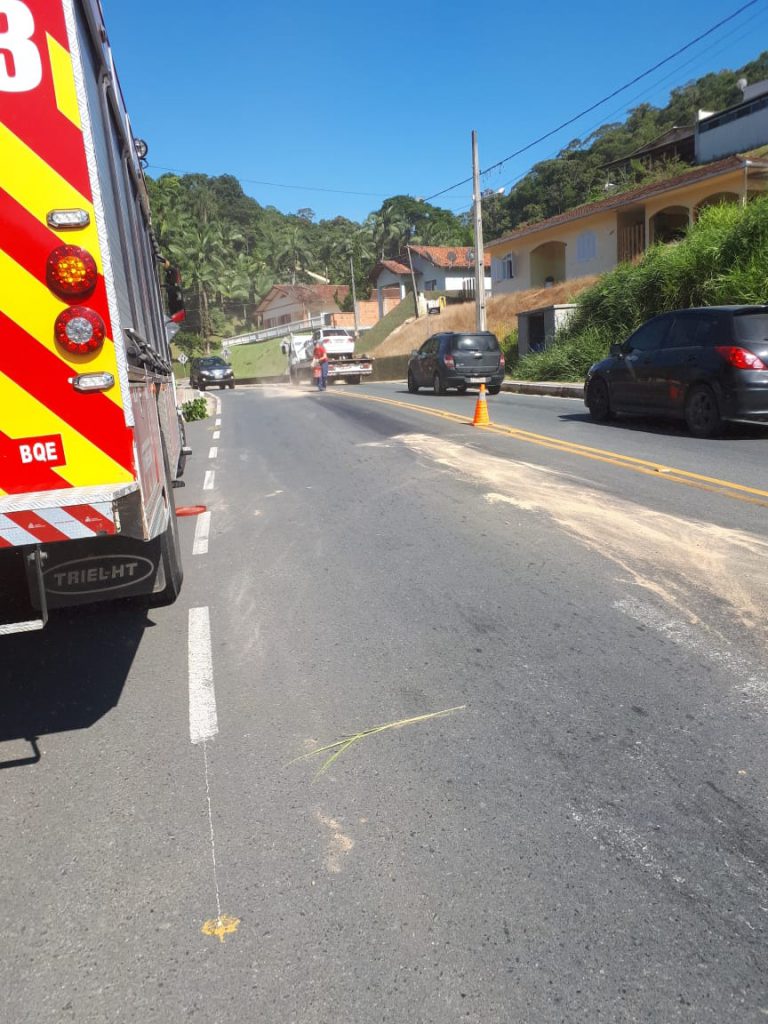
(210,371)
(704,365)
(455,359)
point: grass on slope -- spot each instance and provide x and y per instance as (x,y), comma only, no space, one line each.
(259,360)
(501,315)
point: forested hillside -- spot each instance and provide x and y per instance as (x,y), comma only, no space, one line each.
(231,249)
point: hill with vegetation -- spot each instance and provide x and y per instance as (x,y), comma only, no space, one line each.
(231,249)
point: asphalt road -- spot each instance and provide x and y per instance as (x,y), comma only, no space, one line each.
(581,837)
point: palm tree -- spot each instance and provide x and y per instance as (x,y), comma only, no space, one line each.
(296,253)
(197,250)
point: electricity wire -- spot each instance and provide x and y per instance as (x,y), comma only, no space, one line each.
(599,103)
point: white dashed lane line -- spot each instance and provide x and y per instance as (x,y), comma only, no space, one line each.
(203,721)
(213,453)
(216,435)
(210,476)
(202,530)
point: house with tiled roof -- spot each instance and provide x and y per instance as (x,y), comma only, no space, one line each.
(448,269)
(292,303)
(595,237)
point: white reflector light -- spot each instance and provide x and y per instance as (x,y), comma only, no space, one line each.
(63,219)
(93,382)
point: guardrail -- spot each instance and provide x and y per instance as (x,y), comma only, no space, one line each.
(281,331)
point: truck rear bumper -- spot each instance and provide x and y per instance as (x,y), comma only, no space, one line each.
(46,517)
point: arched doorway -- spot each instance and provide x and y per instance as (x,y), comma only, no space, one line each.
(547,264)
(670,224)
(717,199)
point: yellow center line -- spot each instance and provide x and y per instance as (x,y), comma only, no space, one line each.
(738,492)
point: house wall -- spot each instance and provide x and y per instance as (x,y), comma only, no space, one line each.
(367,313)
(284,310)
(590,248)
(591,243)
(549,320)
(446,279)
(733,134)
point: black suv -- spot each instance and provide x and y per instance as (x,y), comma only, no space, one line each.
(454,359)
(210,370)
(702,365)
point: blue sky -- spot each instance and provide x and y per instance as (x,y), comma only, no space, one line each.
(346,104)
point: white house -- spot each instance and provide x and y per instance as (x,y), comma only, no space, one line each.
(445,268)
(740,127)
(292,303)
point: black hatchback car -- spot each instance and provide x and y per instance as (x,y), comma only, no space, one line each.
(210,371)
(705,365)
(456,360)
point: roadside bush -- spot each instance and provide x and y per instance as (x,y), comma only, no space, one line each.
(722,260)
(509,347)
(196,409)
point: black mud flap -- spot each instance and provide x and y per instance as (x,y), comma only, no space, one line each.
(23,605)
(107,569)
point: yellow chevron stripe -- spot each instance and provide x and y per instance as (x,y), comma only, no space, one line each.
(87,465)
(37,187)
(63,81)
(30,304)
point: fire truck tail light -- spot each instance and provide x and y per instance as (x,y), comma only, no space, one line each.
(68,220)
(79,330)
(71,272)
(93,382)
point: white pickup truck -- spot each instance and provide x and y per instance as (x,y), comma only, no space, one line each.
(339,343)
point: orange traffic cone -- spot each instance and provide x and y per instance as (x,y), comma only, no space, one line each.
(481,410)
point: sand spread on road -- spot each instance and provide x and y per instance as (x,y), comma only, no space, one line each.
(683,562)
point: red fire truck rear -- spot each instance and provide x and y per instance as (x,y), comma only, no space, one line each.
(90,439)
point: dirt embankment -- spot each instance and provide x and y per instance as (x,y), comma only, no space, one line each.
(501,313)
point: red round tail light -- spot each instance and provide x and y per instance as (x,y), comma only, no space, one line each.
(71,272)
(79,330)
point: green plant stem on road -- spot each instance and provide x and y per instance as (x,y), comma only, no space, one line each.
(341,745)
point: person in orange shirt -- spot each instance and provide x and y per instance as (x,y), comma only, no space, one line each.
(320,361)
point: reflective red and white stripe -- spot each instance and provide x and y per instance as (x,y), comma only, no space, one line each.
(48,525)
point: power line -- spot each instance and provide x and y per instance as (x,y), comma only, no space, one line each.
(599,103)
(716,47)
(277,184)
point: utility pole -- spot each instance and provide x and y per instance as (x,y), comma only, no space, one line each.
(354,299)
(413,281)
(479,257)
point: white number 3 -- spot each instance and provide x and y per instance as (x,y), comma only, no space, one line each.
(20,66)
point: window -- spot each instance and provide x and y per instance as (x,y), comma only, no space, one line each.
(650,336)
(693,331)
(586,246)
(508,266)
(430,286)
(475,343)
(750,327)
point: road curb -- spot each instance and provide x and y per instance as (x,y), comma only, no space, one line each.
(558,389)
